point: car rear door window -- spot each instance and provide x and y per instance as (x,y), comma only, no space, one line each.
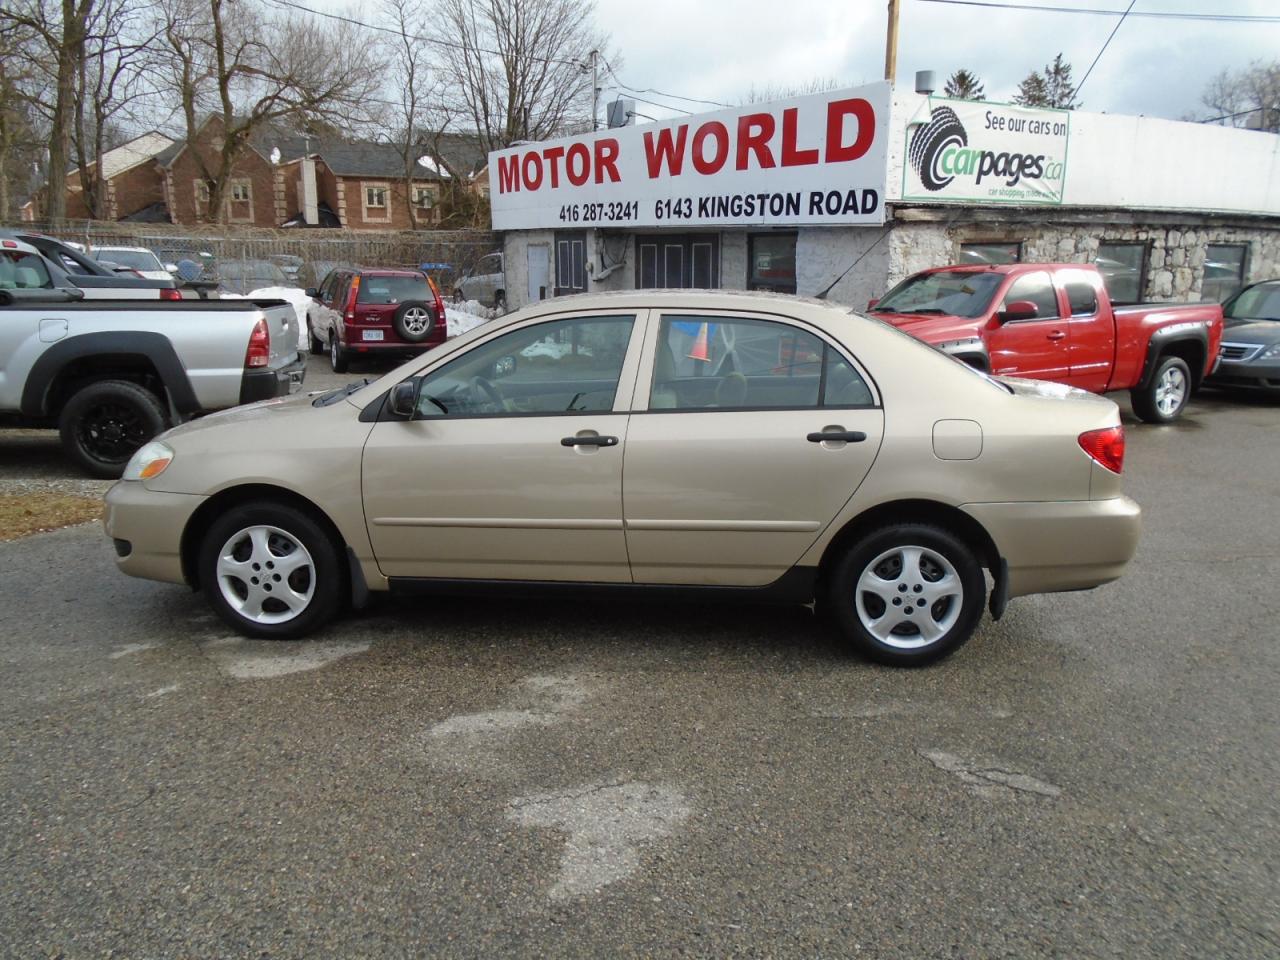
(563,367)
(1036,288)
(718,363)
(23,271)
(1082,297)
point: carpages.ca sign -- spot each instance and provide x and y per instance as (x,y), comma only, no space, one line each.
(993,152)
(817,159)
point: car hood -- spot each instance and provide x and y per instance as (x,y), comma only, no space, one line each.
(1252,331)
(300,404)
(931,327)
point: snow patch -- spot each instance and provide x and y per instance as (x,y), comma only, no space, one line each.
(267,659)
(296,296)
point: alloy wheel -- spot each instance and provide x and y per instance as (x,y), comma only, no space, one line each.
(1171,391)
(112,431)
(416,321)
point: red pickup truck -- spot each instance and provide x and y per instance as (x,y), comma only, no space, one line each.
(1054,321)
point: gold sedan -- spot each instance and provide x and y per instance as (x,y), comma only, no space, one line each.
(734,446)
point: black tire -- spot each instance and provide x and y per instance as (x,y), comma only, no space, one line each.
(338,358)
(323,580)
(1156,402)
(313,342)
(104,423)
(927,143)
(414,321)
(955,616)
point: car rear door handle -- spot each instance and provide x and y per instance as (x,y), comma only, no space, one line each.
(595,441)
(848,436)
(1056,335)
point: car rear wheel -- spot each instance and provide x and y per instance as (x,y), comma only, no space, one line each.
(271,571)
(1165,397)
(103,424)
(338,358)
(908,594)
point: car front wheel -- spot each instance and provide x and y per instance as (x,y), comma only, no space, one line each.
(908,594)
(271,571)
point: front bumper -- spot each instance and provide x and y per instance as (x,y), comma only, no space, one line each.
(1061,545)
(147,526)
(1247,375)
(268,384)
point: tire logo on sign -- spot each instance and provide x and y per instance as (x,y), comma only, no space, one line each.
(943,130)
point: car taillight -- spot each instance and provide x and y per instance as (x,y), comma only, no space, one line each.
(259,351)
(169,293)
(435,292)
(351,297)
(1105,446)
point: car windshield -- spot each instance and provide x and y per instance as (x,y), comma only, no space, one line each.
(1259,302)
(956,293)
(133,259)
(376,289)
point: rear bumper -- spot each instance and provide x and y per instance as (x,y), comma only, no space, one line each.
(258,385)
(147,526)
(356,345)
(1061,545)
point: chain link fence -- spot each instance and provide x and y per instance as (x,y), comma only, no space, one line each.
(250,258)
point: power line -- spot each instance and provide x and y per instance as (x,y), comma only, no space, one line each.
(657,93)
(1154,14)
(1080,86)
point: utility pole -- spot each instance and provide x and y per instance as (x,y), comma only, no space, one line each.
(891,43)
(595,91)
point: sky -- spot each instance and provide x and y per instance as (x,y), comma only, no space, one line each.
(719,49)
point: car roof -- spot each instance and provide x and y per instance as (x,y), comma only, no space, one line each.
(112,246)
(13,243)
(666,299)
(387,272)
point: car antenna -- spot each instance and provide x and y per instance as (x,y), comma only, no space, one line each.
(884,232)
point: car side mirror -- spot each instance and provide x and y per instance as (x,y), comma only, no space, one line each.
(504,367)
(1018,310)
(871,304)
(404,398)
(313,293)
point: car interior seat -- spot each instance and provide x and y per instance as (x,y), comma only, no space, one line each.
(732,391)
(663,396)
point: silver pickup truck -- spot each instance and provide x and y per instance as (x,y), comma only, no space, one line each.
(110,375)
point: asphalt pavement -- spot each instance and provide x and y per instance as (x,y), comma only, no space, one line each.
(1094,776)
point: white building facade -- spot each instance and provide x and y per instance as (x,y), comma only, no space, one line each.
(850,191)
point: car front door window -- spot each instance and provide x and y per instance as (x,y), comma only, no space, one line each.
(564,367)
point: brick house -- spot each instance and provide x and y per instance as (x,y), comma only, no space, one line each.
(250,194)
(129,183)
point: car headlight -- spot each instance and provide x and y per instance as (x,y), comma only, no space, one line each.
(1271,353)
(151,460)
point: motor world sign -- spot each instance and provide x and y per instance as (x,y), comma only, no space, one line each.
(817,159)
(991,152)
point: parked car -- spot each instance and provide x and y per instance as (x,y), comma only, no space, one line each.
(1056,322)
(245,276)
(770,449)
(67,265)
(487,282)
(138,259)
(374,311)
(288,263)
(1250,351)
(110,375)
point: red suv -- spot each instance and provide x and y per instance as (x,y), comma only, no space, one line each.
(358,311)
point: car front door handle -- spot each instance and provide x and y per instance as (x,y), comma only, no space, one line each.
(1056,335)
(595,441)
(848,436)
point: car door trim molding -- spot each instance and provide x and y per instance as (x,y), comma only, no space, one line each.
(732,526)
(501,523)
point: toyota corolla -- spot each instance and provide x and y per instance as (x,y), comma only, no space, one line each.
(702,444)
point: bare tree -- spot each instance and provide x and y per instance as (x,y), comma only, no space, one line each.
(57,28)
(115,80)
(786,91)
(1249,97)
(521,69)
(22,132)
(255,70)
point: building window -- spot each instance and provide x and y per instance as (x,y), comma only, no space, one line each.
(375,198)
(1224,269)
(771,264)
(423,198)
(678,261)
(240,191)
(991,253)
(1123,266)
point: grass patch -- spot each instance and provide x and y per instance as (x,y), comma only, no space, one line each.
(28,513)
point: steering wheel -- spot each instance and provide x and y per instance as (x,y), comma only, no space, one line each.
(480,385)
